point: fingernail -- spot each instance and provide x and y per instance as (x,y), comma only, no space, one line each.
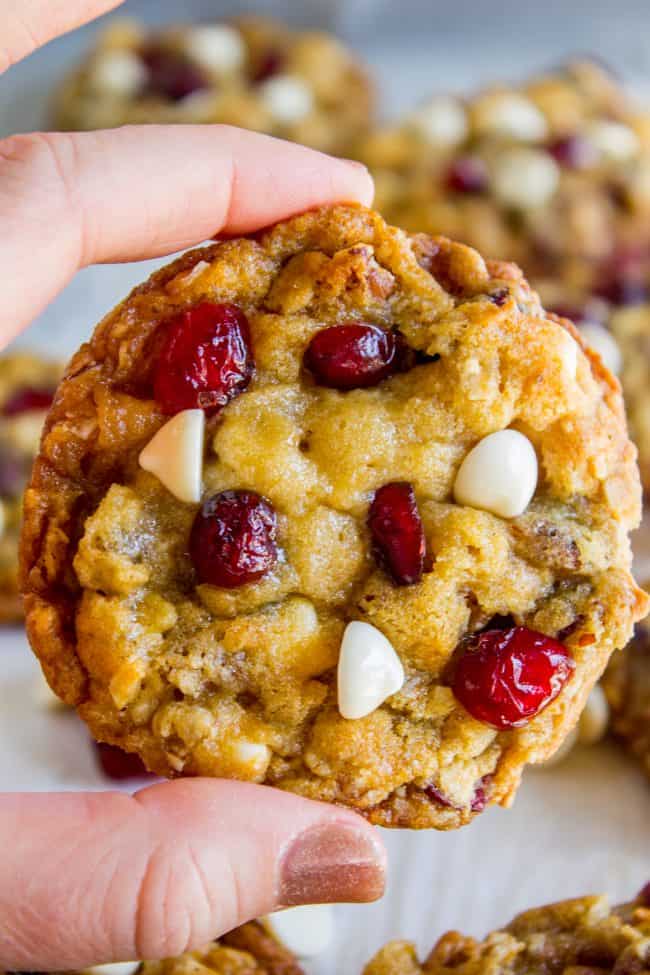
(332,863)
(355,163)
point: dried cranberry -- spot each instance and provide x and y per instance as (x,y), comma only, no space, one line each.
(14,471)
(28,399)
(506,677)
(574,152)
(353,356)
(172,75)
(479,802)
(232,541)
(468,174)
(435,795)
(499,297)
(118,764)
(205,360)
(643,897)
(397,534)
(272,63)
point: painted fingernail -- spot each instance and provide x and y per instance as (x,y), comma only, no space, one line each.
(332,863)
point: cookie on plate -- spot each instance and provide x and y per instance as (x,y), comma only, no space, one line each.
(585,935)
(248,950)
(27,385)
(254,73)
(337,509)
(627,686)
(553,174)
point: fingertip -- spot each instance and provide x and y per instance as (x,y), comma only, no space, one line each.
(363,183)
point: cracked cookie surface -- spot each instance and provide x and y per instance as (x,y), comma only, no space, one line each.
(253,72)
(239,678)
(581,935)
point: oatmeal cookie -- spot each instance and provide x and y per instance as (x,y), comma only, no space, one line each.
(573,937)
(27,385)
(248,950)
(553,174)
(627,686)
(252,72)
(337,509)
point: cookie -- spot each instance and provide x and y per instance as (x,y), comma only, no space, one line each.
(309,503)
(553,174)
(248,950)
(27,385)
(254,73)
(627,686)
(574,936)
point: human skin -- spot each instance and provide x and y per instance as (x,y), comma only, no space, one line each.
(90,878)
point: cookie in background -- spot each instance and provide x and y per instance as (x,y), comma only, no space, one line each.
(255,73)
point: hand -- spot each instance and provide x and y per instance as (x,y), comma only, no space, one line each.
(95,878)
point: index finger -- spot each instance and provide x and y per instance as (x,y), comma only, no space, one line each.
(27,25)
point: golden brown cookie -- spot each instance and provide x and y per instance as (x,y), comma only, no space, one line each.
(553,174)
(574,937)
(337,509)
(627,686)
(255,73)
(27,384)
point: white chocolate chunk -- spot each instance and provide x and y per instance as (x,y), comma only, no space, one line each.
(306,931)
(594,719)
(603,342)
(514,116)
(369,670)
(216,47)
(614,141)
(117,968)
(441,121)
(524,178)
(256,755)
(119,73)
(287,98)
(499,474)
(568,354)
(175,455)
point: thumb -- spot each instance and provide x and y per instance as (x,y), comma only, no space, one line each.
(91,878)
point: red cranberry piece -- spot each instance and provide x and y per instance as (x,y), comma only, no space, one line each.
(506,677)
(468,174)
(172,75)
(397,534)
(644,896)
(119,765)
(574,152)
(205,360)
(352,356)
(479,802)
(28,399)
(272,63)
(232,541)
(435,795)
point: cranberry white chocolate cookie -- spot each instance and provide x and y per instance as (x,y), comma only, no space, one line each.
(627,686)
(337,509)
(585,936)
(254,73)
(27,385)
(553,174)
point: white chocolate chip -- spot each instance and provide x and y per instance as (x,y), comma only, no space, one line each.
(175,455)
(594,719)
(254,754)
(614,141)
(524,178)
(441,121)
(568,354)
(26,429)
(287,98)
(119,73)
(118,968)
(499,474)
(603,342)
(306,931)
(216,47)
(369,670)
(513,116)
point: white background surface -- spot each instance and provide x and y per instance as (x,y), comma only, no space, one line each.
(582,827)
